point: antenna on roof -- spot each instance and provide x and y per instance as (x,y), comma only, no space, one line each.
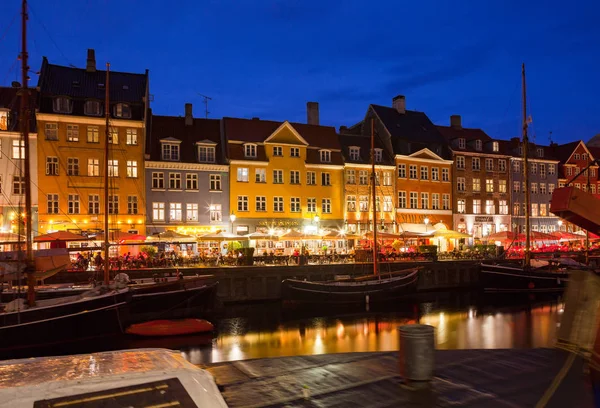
(550,137)
(206,99)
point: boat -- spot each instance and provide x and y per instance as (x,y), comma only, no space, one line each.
(504,276)
(375,287)
(162,328)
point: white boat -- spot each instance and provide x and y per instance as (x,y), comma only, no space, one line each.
(140,377)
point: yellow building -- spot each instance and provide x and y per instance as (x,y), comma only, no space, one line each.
(284,176)
(71,160)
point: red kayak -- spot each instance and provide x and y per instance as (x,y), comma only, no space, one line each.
(159,328)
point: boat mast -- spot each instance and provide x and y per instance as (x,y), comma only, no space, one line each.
(526,175)
(374,198)
(24,118)
(106,141)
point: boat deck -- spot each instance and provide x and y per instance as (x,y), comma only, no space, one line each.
(464,378)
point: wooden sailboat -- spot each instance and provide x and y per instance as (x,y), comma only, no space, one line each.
(505,277)
(370,288)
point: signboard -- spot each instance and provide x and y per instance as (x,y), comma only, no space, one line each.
(279,224)
(484,219)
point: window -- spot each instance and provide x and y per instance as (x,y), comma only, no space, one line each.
(52,166)
(378,155)
(132,205)
(260,175)
(401,199)
(354,153)
(18,149)
(583,156)
(435,201)
(242,174)
(478,145)
(476,163)
(542,188)
(461,206)
(72,166)
(569,171)
(93,134)
(175,212)
(363,203)
(294,152)
(92,108)
(402,170)
(502,186)
(542,170)
(158,211)
(113,135)
(489,185)
(534,210)
(206,154)
(261,203)
(73,204)
(294,177)
(540,152)
(460,162)
(363,177)
(435,174)
(534,168)
(62,104)
(543,210)
(325,156)
(72,133)
(412,171)
(413,199)
(461,143)
(516,187)
(593,188)
(93,204)
(387,178)
(516,209)
(158,180)
(191,181)
(477,206)
(242,203)
(131,137)
(170,151)
(132,169)
(460,184)
(277,176)
(495,146)
(175,181)
(311,204)
(278,151)
(445,175)
(577,156)
(278,204)
(387,204)
(424,173)
(122,110)
(191,212)
(445,201)
(592,172)
(326,206)
(51,131)
(215,182)
(502,165)
(550,188)
(489,164)
(311,178)
(113,168)
(295,204)
(351,203)
(534,188)
(216,213)
(516,166)
(325,179)
(350,177)
(113,204)
(52,203)
(476,185)
(424,200)
(551,169)
(250,150)
(490,207)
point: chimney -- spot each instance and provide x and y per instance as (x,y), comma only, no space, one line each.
(343,128)
(312,113)
(399,103)
(91,61)
(189,118)
(455,121)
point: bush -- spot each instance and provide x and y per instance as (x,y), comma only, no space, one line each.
(149,250)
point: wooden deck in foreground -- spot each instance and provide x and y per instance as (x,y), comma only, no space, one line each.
(464,378)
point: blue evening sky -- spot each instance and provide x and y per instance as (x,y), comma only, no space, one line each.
(266,58)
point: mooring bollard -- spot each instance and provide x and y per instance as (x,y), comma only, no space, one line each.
(417,349)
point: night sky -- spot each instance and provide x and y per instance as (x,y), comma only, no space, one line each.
(267,58)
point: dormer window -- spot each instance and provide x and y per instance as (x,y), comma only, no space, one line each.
(577,156)
(122,110)
(206,154)
(4,119)
(92,108)
(478,145)
(461,143)
(278,151)
(540,152)
(583,156)
(354,153)
(495,146)
(325,156)
(250,151)
(170,151)
(378,155)
(62,104)
(520,150)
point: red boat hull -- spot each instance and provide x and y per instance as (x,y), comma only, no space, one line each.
(161,328)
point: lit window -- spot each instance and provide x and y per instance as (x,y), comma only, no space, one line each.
(113,135)
(131,135)
(158,211)
(132,169)
(191,212)
(216,213)
(122,110)
(113,168)
(461,206)
(18,149)
(72,133)
(175,212)
(260,175)
(94,167)
(93,134)
(351,203)
(495,146)
(242,174)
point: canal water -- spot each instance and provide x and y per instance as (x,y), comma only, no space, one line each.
(462,321)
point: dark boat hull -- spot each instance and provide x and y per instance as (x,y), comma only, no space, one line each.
(349,292)
(504,278)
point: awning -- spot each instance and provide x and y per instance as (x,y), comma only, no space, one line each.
(115,236)
(450,234)
(60,236)
(170,236)
(222,236)
(259,236)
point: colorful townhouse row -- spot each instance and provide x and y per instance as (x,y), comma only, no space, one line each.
(238,175)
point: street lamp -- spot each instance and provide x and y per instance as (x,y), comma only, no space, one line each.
(426,221)
(232,218)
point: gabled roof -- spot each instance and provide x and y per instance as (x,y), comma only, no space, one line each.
(511,148)
(426,152)
(452,134)
(364,143)
(564,151)
(286,126)
(11,100)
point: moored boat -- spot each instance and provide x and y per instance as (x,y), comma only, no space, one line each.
(161,328)
(515,278)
